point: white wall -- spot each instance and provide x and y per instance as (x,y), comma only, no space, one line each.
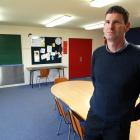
(96,35)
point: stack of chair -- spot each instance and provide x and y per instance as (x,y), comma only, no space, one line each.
(60,79)
(76,125)
(64,115)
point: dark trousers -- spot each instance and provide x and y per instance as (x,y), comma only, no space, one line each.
(97,129)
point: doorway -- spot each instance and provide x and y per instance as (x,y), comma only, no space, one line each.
(80,54)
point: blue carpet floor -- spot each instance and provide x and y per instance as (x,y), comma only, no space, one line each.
(28,114)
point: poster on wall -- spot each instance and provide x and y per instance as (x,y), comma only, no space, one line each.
(38,42)
(36,56)
(65,43)
(46,50)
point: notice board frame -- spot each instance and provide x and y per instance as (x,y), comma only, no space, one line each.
(46,50)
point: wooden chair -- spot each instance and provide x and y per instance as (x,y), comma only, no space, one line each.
(44,73)
(75,122)
(60,79)
(64,116)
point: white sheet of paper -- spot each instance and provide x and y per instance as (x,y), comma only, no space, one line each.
(59,56)
(38,42)
(43,56)
(53,53)
(53,44)
(36,56)
(42,50)
(49,48)
(47,56)
(52,57)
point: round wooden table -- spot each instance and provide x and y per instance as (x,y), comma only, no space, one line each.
(77,94)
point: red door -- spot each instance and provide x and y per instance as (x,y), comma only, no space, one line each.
(80,53)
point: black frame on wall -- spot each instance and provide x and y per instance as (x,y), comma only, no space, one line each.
(48,52)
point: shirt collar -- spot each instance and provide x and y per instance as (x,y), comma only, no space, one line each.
(119,50)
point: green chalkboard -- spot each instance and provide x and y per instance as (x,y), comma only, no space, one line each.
(10,49)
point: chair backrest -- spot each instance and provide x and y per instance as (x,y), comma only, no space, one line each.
(61,109)
(44,72)
(76,124)
(60,79)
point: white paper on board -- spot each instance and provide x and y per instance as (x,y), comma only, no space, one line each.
(36,56)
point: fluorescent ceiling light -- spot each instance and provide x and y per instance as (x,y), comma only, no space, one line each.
(96,25)
(58,21)
(101,3)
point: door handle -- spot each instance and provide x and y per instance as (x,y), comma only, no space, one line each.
(81,59)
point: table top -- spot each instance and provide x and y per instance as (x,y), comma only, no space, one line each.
(44,67)
(77,94)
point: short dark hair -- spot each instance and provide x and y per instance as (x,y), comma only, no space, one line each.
(120,10)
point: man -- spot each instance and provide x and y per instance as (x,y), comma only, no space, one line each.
(116,79)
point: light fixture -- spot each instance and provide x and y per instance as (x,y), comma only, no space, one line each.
(96,25)
(58,20)
(101,3)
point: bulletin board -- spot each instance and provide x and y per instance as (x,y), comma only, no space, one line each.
(46,50)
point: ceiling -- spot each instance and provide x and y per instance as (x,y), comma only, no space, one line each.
(36,12)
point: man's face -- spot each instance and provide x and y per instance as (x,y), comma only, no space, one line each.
(114,27)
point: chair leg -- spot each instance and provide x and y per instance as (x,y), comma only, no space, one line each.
(59,126)
(36,80)
(39,83)
(69,132)
(46,81)
(74,135)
